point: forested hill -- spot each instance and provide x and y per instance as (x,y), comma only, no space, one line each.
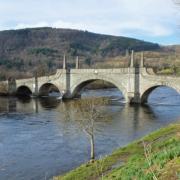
(22,51)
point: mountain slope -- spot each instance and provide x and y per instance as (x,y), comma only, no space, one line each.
(23,50)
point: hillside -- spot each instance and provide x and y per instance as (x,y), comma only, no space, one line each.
(156,156)
(22,52)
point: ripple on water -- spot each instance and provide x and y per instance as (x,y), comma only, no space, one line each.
(40,139)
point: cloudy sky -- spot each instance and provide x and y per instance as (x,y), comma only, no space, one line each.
(151,20)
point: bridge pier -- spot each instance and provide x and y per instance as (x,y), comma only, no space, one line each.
(35,92)
(136,99)
(11,87)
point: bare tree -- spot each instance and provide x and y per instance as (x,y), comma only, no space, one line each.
(88,113)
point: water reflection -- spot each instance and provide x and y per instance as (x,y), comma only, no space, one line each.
(40,137)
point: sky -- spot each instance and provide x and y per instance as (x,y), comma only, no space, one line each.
(149,20)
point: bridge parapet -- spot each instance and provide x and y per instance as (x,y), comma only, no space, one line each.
(113,70)
(133,82)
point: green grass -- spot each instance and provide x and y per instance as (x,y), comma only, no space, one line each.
(170,71)
(161,160)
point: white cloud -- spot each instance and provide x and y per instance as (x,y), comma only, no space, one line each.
(65,24)
(24,25)
(117,29)
(148,28)
(152,18)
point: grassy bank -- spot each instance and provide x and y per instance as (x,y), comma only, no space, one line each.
(156,156)
(170,71)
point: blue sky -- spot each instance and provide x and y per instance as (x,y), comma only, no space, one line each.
(151,20)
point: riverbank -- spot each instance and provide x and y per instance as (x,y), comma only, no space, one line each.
(157,155)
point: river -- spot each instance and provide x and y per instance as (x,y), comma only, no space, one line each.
(40,138)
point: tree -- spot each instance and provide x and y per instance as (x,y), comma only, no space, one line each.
(41,69)
(88,61)
(88,113)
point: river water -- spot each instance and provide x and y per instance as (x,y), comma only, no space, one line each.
(41,138)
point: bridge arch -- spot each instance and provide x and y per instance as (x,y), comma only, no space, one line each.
(47,88)
(77,88)
(23,91)
(145,95)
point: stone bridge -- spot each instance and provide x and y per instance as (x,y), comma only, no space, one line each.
(135,83)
